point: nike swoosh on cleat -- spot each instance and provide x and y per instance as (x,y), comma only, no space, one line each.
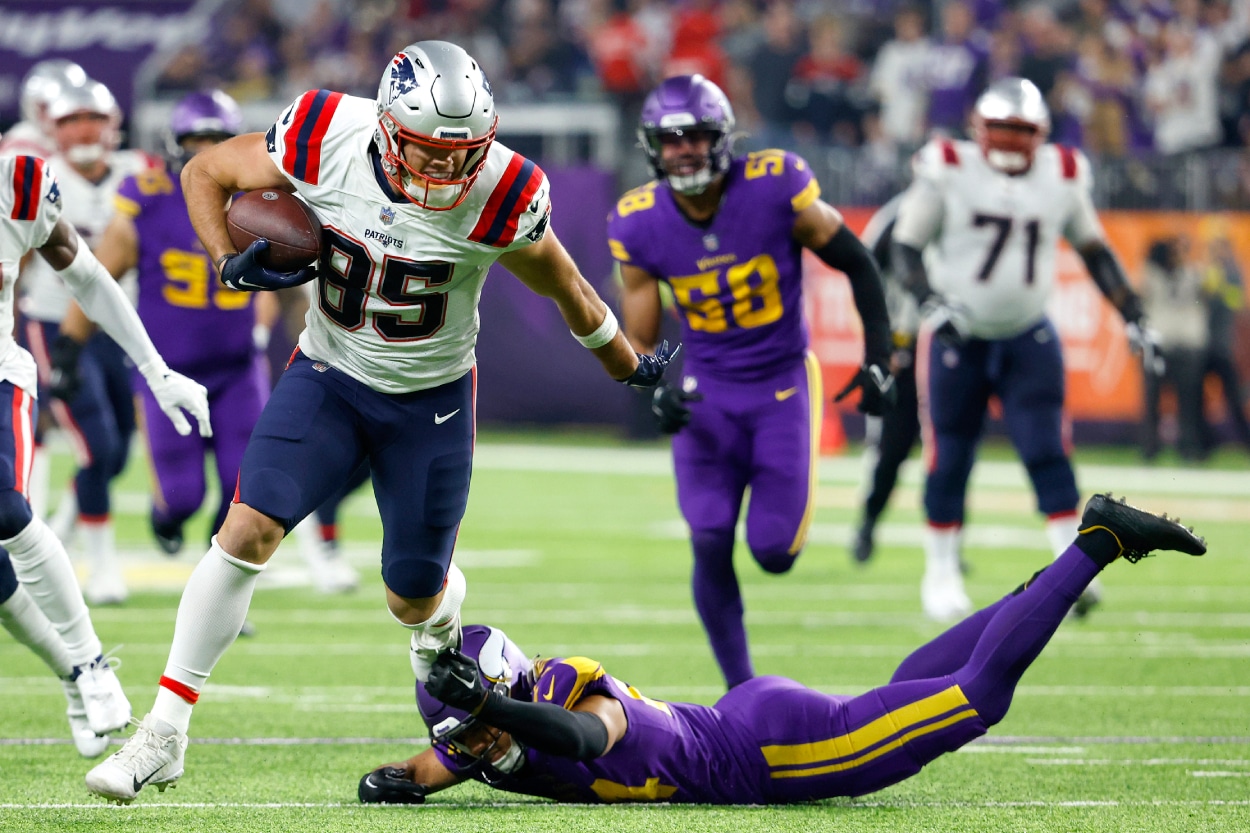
(783,395)
(439,419)
(138,785)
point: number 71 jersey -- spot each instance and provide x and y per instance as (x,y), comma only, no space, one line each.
(995,248)
(398,285)
(737,281)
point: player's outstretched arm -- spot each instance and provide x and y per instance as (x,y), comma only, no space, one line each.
(407,782)
(103,300)
(548,270)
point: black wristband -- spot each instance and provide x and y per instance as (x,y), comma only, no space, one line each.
(221,260)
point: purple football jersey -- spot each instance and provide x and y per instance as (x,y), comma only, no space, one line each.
(197,323)
(737,280)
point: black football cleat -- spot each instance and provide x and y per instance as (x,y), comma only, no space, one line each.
(168,535)
(389,785)
(1137,531)
(862,546)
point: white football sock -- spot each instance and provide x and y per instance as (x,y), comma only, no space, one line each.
(43,566)
(212,611)
(21,617)
(97,542)
(444,616)
(941,550)
(1061,531)
(66,515)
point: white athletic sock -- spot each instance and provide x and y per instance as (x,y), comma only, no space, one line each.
(1061,531)
(941,550)
(21,617)
(213,607)
(97,542)
(444,616)
(66,515)
(43,566)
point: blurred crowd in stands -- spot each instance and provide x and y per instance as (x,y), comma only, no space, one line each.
(1123,77)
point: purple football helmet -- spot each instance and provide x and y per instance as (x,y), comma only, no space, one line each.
(210,114)
(684,104)
(506,669)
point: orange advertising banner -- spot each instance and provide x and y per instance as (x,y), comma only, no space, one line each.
(1103,378)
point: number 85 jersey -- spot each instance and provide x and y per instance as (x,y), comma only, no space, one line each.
(738,279)
(994,237)
(398,286)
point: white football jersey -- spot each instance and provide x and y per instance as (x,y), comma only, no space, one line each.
(26,139)
(30,205)
(994,237)
(397,309)
(88,208)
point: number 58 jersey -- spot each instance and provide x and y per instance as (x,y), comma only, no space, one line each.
(995,237)
(396,305)
(737,280)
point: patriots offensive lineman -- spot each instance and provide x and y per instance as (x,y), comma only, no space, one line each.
(46,611)
(727,235)
(564,729)
(416,201)
(90,387)
(992,212)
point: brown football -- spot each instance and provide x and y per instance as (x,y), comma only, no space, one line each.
(290,226)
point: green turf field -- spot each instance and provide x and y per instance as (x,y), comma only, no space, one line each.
(1135,720)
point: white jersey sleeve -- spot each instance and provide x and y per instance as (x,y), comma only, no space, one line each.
(30,207)
(1083,225)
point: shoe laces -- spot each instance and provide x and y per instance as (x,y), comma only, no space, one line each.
(145,747)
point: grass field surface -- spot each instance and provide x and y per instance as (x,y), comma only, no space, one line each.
(1137,719)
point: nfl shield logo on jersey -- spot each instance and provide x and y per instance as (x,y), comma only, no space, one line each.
(711,242)
(387,215)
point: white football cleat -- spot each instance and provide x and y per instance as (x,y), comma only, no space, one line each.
(330,572)
(153,756)
(943,597)
(428,643)
(104,702)
(89,744)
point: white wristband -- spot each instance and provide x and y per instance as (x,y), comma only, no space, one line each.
(602,335)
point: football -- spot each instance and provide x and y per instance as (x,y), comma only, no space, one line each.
(290,226)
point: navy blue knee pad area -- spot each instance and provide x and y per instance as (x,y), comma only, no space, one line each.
(8,578)
(15,514)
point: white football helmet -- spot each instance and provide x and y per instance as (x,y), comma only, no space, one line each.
(1010,122)
(42,83)
(434,95)
(93,98)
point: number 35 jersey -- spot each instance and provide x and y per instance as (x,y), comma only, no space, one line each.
(398,287)
(995,236)
(738,280)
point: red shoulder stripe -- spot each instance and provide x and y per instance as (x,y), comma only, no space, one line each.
(27,182)
(1067,159)
(302,156)
(949,153)
(497,225)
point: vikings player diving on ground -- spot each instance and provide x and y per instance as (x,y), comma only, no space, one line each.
(565,729)
(727,235)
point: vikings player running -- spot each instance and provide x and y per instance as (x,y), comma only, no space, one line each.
(992,213)
(564,729)
(726,234)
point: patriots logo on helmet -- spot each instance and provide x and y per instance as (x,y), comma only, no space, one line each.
(403,76)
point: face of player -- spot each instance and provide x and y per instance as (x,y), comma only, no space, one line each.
(492,745)
(192,145)
(435,162)
(1009,147)
(83,138)
(685,154)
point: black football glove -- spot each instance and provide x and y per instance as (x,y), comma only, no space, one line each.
(456,680)
(64,382)
(245,273)
(669,406)
(650,369)
(389,785)
(877,389)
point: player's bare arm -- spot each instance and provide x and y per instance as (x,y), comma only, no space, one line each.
(546,268)
(61,247)
(640,306)
(213,175)
(610,711)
